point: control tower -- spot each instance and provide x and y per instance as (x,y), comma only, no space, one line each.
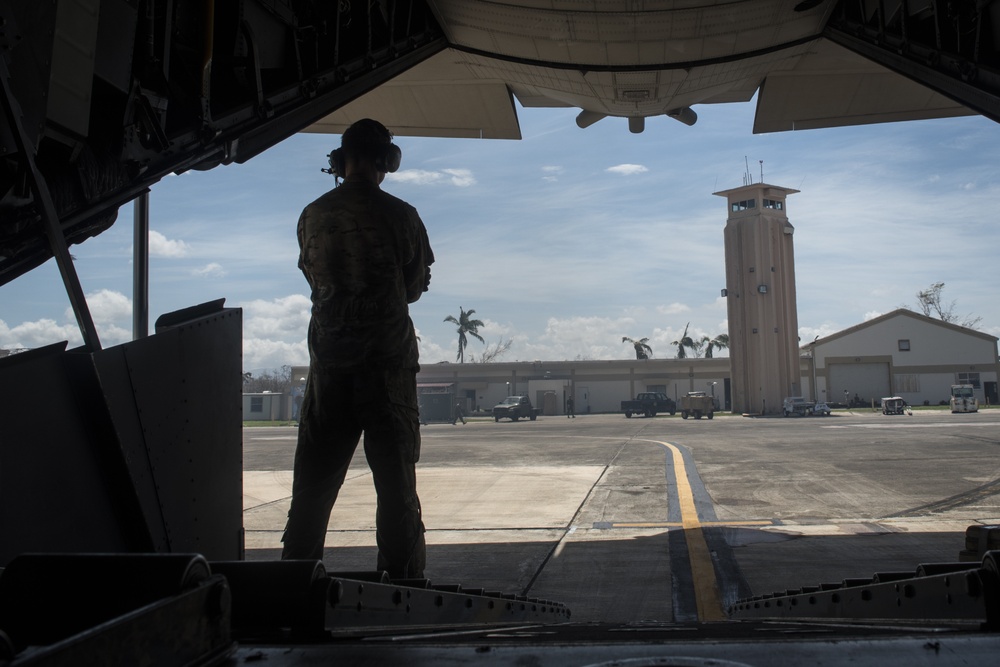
(760,297)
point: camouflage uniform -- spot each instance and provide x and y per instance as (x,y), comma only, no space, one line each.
(366,256)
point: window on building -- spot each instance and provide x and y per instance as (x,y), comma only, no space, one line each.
(904,344)
(658,388)
(908,383)
(774,203)
(256,404)
(744,205)
(969,378)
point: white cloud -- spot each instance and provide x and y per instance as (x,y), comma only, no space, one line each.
(462,178)
(458,177)
(627,169)
(161,246)
(212,270)
(872,314)
(274,332)
(673,309)
(551,173)
(809,334)
(111,312)
(38,333)
(106,307)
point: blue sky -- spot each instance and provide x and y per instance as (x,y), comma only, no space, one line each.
(569,239)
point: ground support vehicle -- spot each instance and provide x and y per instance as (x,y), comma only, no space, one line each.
(821,409)
(798,406)
(514,408)
(893,405)
(696,404)
(963,398)
(648,403)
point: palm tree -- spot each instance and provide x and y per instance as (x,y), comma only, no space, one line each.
(698,345)
(642,349)
(684,342)
(720,342)
(466,325)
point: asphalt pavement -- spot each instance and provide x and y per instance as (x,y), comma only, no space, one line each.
(663,519)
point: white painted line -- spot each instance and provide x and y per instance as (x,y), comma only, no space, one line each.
(916,425)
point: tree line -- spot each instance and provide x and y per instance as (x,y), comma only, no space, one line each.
(930,302)
(704,345)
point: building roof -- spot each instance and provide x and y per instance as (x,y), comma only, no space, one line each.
(902,312)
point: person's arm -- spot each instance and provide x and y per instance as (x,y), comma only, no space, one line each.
(417,271)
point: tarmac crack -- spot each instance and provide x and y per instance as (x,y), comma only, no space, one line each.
(570,528)
(952,502)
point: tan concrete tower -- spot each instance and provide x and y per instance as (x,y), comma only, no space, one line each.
(760,295)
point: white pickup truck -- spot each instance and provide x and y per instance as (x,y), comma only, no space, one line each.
(798,406)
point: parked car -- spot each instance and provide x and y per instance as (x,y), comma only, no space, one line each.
(821,409)
(798,406)
(648,403)
(515,407)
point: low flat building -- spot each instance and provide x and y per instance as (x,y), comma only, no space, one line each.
(596,386)
(901,353)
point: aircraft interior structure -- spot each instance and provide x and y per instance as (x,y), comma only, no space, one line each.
(104,98)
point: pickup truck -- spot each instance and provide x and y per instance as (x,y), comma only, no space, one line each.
(798,406)
(648,403)
(697,403)
(515,407)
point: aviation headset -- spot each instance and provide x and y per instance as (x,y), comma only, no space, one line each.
(366,136)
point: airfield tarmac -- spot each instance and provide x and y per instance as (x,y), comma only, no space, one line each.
(663,519)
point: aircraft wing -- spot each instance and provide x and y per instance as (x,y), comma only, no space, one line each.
(830,86)
(610,60)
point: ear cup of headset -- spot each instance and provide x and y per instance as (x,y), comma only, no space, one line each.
(336,158)
(387,162)
(390,159)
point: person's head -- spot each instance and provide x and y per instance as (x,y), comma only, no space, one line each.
(367,144)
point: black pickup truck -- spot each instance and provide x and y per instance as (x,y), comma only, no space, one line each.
(648,403)
(515,407)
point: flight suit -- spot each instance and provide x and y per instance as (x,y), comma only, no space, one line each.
(366,256)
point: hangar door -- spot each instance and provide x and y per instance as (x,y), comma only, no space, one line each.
(868,381)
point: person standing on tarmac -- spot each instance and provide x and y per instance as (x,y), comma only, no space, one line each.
(366,256)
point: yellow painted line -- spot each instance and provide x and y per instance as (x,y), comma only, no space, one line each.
(706,587)
(676,524)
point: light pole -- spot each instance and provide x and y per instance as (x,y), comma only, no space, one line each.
(508,388)
(712,385)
